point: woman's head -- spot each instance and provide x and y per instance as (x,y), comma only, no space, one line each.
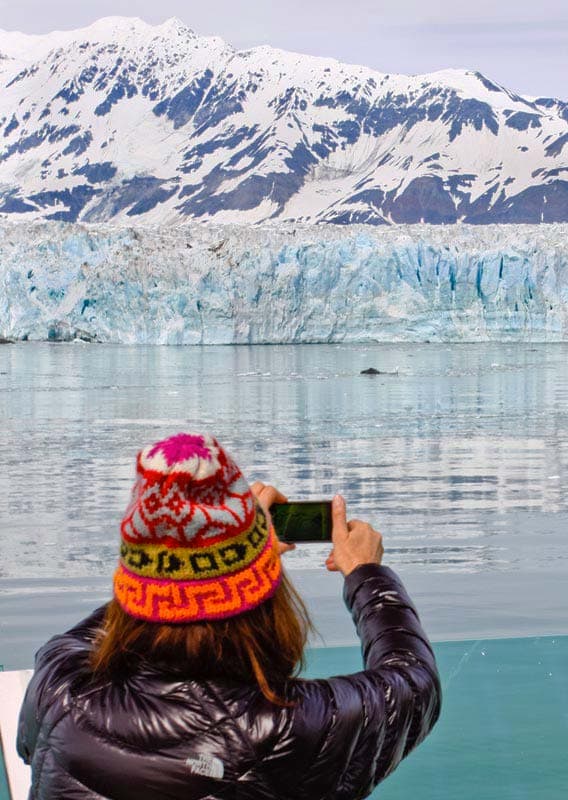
(199,587)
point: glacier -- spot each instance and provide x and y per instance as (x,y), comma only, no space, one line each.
(273,283)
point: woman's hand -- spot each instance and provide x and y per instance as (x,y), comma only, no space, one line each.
(354,542)
(266,496)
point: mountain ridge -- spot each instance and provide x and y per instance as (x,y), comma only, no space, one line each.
(123,119)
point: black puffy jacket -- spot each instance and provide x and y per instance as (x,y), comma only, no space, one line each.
(156,736)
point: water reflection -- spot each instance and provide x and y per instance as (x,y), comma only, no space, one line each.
(461,459)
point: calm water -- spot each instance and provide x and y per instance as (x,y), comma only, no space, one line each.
(460,459)
(503,731)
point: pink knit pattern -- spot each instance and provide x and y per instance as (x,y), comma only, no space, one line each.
(181,448)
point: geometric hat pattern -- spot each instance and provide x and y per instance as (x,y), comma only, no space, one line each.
(194,543)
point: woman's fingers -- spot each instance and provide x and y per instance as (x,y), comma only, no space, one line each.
(338,518)
(354,542)
(330,563)
(266,494)
(285,547)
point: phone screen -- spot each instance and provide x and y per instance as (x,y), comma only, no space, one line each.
(308,521)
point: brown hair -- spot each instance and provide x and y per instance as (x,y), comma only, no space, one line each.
(263,646)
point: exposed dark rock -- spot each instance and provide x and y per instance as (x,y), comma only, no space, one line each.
(240,160)
(424,200)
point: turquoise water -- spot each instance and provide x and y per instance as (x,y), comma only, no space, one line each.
(4,795)
(461,460)
(3,782)
(504,727)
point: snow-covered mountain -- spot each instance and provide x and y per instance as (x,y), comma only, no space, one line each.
(224,284)
(122,121)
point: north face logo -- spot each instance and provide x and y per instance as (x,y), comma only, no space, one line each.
(207,766)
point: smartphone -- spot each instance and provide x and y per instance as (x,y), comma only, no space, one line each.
(303,521)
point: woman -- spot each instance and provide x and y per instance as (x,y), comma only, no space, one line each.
(183,685)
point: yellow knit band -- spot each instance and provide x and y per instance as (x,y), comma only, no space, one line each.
(186,563)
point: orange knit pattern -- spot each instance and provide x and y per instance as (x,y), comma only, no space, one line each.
(189,601)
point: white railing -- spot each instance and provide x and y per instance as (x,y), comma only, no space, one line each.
(12,689)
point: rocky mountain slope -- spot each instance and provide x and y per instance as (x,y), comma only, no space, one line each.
(123,121)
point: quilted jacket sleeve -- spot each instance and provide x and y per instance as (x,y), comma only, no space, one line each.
(400,686)
(369,721)
(56,665)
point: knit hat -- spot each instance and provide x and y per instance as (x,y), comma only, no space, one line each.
(195,544)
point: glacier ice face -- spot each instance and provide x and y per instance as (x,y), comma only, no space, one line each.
(197,284)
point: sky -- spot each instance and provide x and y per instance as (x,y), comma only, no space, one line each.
(521,45)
